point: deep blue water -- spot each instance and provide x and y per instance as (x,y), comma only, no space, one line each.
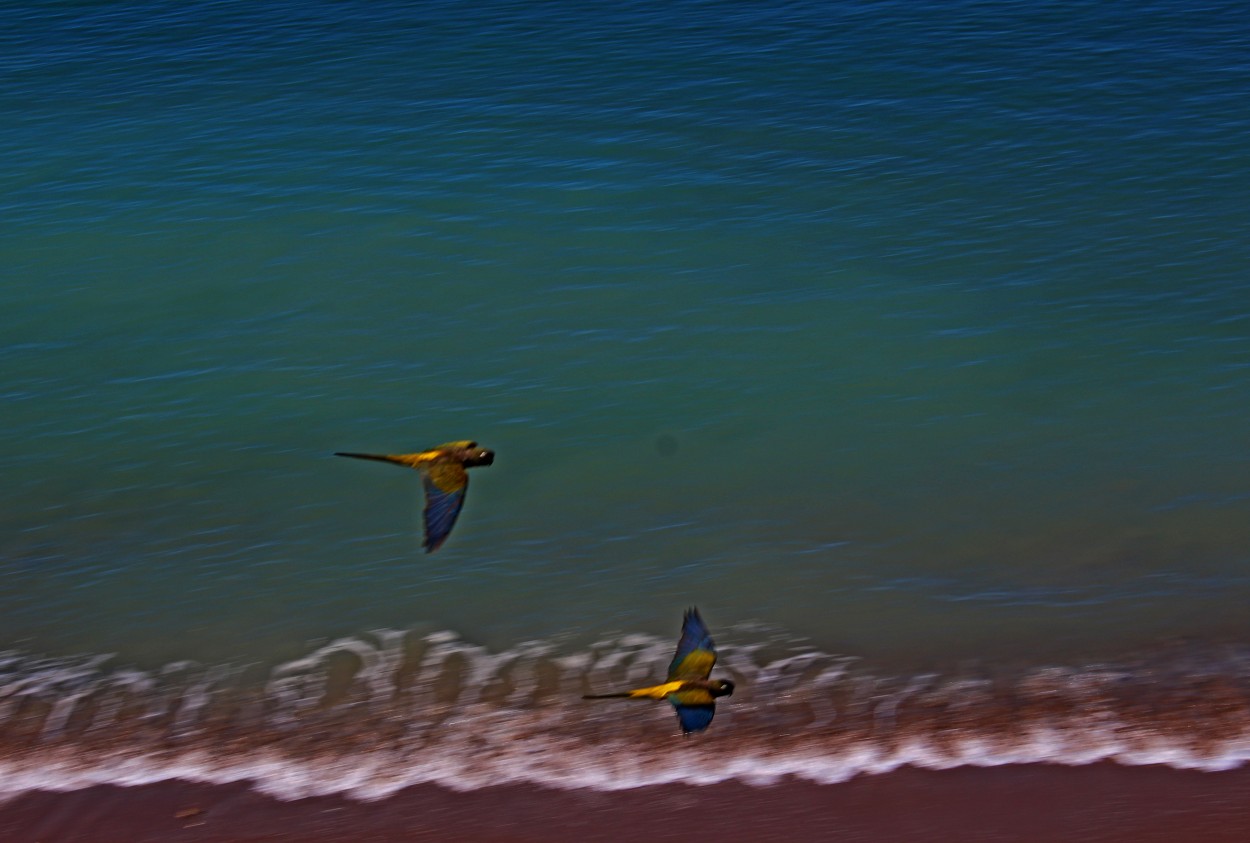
(920,330)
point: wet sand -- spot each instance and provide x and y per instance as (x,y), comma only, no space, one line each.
(1101,803)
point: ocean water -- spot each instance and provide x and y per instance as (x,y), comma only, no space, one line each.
(910,341)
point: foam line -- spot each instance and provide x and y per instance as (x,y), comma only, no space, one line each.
(409,710)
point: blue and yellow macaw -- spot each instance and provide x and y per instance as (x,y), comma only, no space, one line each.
(445,479)
(688,687)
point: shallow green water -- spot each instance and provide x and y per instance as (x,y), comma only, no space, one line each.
(917,330)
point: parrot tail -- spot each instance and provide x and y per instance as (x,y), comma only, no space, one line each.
(623,696)
(378,457)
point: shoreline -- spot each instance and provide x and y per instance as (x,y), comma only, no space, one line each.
(1103,802)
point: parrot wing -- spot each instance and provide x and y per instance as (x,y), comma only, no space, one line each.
(695,718)
(445,484)
(696,654)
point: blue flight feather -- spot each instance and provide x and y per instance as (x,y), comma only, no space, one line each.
(695,718)
(441,511)
(694,637)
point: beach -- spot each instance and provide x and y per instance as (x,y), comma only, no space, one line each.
(1103,803)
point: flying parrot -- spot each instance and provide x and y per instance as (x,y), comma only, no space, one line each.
(688,688)
(445,479)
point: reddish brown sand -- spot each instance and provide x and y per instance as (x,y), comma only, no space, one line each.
(1102,803)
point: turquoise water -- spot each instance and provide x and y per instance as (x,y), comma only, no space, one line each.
(919,332)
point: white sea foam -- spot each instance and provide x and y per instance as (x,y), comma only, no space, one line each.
(368,716)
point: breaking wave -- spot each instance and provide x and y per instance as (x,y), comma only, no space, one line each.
(367,716)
